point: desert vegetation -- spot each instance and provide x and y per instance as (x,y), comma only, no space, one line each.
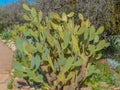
(64,44)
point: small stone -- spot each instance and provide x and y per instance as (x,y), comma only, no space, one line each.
(20,83)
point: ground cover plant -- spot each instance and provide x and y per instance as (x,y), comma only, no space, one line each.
(108,76)
(56,53)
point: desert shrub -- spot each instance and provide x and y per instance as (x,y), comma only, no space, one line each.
(55,52)
(107,77)
(11,14)
(100,12)
(118,69)
(114,41)
(113,51)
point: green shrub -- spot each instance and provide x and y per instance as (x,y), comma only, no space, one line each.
(56,52)
(103,67)
(104,79)
(114,41)
(5,35)
(118,69)
(113,51)
(100,12)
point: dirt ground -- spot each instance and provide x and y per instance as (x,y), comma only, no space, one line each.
(6,57)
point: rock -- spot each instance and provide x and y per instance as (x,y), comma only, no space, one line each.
(103,84)
(11,45)
(21,84)
(86,88)
(114,88)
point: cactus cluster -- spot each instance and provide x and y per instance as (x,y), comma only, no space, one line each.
(56,52)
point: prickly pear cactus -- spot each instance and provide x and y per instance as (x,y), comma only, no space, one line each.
(56,52)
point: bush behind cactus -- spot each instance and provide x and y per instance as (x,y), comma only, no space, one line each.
(114,41)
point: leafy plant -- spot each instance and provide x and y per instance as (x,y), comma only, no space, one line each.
(103,66)
(102,80)
(118,69)
(56,52)
(10,84)
(112,63)
(114,41)
(5,35)
(100,12)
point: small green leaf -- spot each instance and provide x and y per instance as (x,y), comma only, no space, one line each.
(61,34)
(10,84)
(71,25)
(18,66)
(32,63)
(78,63)
(39,47)
(61,77)
(51,63)
(56,65)
(26,7)
(26,17)
(54,26)
(76,29)
(99,56)
(82,29)
(37,61)
(50,39)
(61,60)
(90,69)
(19,74)
(19,43)
(91,49)
(32,76)
(86,33)
(71,14)
(24,48)
(92,33)
(100,30)
(40,15)
(101,45)
(96,38)
(30,48)
(55,16)
(64,17)
(80,16)
(87,23)
(66,39)
(33,12)
(75,44)
(57,44)
(67,65)
(70,75)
